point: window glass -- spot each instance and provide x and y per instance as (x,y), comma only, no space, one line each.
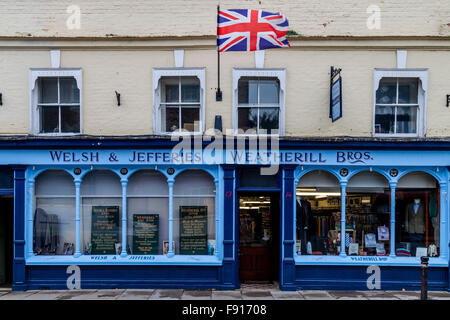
(417,216)
(170,118)
(175,113)
(101,223)
(367,217)
(387,91)
(70,119)
(170,89)
(269,91)
(194,213)
(190,89)
(54,116)
(49,118)
(48,90)
(248,118)
(69,90)
(54,214)
(269,119)
(318,214)
(406,119)
(248,90)
(148,213)
(384,119)
(189,118)
(397,118)
(407,90)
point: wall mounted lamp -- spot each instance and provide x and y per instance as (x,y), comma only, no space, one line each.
(1,99)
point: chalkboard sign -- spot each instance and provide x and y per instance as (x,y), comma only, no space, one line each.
(193,230)
(145,233)
(104,230)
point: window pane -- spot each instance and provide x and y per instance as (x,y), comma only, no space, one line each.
(384,119)
(101,202)
(190,117)
(54,216)
(367,217)
(406,119)
(387,91)
(190,90)
(170,119)
(70,119)
(318,214)
(48,90)
(247,118)
(148,212)
(194,224)
(269,119)
(417,222)
(247,91)
(69,90)
(170,89)
(49,118)
(407,90)
(269,91)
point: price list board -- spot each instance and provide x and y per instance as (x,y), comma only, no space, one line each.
(104,229)
(193,230)
(145,234)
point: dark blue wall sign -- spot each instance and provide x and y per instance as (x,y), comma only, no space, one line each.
(336,100)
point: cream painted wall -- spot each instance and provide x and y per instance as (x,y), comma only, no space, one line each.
(129,71)
(150,18)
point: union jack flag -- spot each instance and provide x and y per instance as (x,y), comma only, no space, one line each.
(250,30)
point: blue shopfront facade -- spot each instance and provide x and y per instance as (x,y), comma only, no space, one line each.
(123,158)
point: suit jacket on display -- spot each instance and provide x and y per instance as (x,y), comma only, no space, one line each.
(415,222)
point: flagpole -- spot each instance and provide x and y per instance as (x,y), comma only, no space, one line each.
(218,92)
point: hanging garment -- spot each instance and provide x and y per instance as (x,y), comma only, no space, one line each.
(415,222)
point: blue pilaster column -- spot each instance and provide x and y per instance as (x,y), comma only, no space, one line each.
(343,192)
(392,236)
(230,271)
(19,272)
(287,281)
(170,182)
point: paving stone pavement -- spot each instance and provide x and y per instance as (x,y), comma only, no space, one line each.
(238,294)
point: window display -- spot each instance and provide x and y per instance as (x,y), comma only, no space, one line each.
(367,216)
(101,200)
(54,214)
(318,214)
(194,213)
(148,212)
(417,215)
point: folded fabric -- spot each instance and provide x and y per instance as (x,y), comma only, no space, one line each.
(403,252)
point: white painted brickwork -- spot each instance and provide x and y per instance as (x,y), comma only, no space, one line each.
(143,18)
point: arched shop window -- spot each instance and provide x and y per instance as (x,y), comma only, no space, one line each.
(147,213)
(101,201)
(318,214)
(417,215)
(54,214)
(367,215)
(194,231)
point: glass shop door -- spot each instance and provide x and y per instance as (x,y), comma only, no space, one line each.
(259,225)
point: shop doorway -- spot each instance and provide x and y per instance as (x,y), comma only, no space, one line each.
(6,240)
(259,237)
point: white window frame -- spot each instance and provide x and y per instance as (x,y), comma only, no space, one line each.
(34,75)
(261,73)
(422,99)
(158,73)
